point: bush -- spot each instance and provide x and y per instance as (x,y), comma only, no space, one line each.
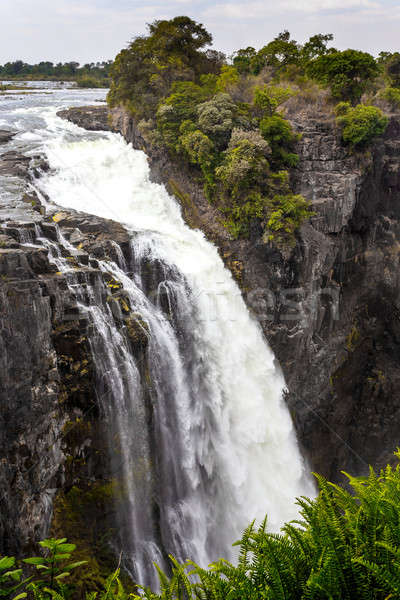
(344,546)
(200,151)
(360,124)
(286,214)
(281,137)
(229,77)
(240,215)
(392,69)
(180,106)
(216,118)
(245,165)
(269,97)
(392,96)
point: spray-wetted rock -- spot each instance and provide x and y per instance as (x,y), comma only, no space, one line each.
(52,433)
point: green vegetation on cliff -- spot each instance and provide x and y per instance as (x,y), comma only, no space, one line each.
(345,546)
(225,120)
(360,124)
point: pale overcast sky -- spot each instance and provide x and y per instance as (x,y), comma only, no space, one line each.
(91,30)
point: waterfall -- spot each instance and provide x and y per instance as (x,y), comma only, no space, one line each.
(205,439)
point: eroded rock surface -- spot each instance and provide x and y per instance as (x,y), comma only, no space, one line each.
(93,118)
(54,453)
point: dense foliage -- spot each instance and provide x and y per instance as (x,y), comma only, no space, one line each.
(345,546)
(360,124)
(96,73)
(226,119)
(348,73)
(207,113)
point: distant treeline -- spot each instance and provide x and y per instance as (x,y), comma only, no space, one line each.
(48,70)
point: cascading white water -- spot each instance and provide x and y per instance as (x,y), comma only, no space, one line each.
(226,452)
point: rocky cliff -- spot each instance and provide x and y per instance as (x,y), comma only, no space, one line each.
(329,307)
(55,474)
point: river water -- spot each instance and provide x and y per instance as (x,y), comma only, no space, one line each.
(221,450)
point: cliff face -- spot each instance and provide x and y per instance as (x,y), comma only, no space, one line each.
(55,474)
(330,306)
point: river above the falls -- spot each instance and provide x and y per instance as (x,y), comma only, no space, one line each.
(227,449)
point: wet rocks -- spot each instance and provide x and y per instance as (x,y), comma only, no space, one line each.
(93,118)
(47,375)
(6,136)
(15,164)
(138,330)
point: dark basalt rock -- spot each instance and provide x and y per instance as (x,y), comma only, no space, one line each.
(14,163)
(53,438)
(6,136)
(93,118)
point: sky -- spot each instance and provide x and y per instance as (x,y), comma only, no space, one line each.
(95,30)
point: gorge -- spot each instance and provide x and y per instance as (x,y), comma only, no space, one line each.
(199,305)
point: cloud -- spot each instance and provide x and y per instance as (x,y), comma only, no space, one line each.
(90,30)
(257,10)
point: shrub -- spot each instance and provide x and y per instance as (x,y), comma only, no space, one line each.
(216,118)
(392,69)
(229,77)
(11,579)
(269,97)
(245,165)
(281,137)
(392,96)
(200,151)
(360,124)
(239,215)
(286,214)
(55,566)
(180,106)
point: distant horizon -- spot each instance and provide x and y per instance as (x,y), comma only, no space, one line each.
(88,31)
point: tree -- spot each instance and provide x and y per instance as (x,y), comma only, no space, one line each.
(242,59)
(181,36)
(316,46)
(181,105)
(348,73)
(279,134)
(279,53)
(245,165)
(143,73)
(392,68)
